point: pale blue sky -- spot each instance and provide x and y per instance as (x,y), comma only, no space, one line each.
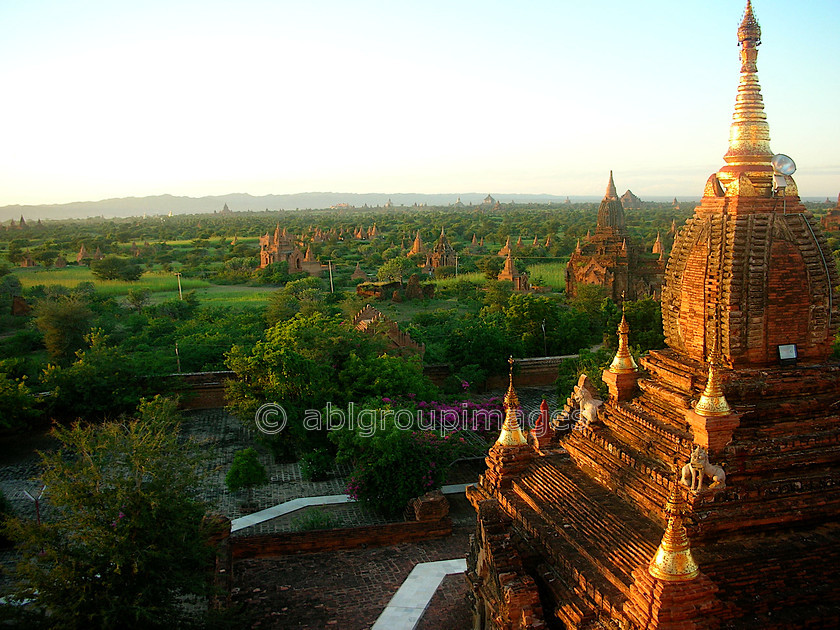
(110,99)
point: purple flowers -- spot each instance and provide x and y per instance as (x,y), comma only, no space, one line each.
(120,517)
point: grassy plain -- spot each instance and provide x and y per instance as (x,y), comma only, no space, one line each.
(552,274)
(162,285)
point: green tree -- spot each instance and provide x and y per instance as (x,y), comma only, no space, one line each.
(644,318)
(589,298)
(491,266)
(116,268)
(9,288)
(103,381)
(64,322)
(396,269)
(138,298)
(125,538)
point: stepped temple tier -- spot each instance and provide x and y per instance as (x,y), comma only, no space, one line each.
(609,259)
(704,492)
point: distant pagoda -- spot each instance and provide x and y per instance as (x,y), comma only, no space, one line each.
(607,259)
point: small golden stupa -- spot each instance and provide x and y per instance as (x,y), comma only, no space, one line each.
(673,561)
(623,362)
(712,401)
(511,434)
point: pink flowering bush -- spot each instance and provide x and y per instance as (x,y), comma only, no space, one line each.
(394,465)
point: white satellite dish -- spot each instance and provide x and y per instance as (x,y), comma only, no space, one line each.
(783,164)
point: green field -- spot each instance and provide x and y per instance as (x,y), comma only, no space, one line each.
(225,295)
(476,276)
(552,274)
(162,285)
(71,276)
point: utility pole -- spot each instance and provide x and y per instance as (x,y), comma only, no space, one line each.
(332,288)
(180,294)
(456,265)
(545,345)
(178,357)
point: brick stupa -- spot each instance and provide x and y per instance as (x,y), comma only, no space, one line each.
(750,430)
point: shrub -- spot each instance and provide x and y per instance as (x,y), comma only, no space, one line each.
(394,465)
(246,472)
(317,465)
(17,404)
(314,519)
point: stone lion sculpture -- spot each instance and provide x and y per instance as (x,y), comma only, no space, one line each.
(697,468)
(588,404)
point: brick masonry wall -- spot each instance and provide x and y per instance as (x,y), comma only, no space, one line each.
(283,544)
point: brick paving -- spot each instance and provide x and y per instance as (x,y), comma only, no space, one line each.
(341,589)
(449,608)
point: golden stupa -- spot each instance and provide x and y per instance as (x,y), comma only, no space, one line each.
(623,362)
(673,561)
(511,434)
(712,401)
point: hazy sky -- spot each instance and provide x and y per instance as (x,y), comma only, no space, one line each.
(112,99)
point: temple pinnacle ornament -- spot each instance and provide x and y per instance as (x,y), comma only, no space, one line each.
(673,561)
(511,434)
(623,362)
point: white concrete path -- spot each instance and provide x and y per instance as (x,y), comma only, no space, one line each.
(411,600)
(296,504)
(284,508)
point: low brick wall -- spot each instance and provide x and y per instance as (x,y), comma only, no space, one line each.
(284,543)
(532,371)
(200,390)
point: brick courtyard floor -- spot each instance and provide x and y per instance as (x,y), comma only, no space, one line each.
(346,589)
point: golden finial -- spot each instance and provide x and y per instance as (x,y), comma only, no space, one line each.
(749,134)
(511,434)
(673,561)
(749,29)
(712,401)
(623,362)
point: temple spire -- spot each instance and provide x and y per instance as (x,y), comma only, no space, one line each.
(511,434)
(612,193)
(749,134)
(673,561)
(610,214)
(623,362)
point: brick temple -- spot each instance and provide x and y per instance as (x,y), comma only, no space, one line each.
(283,247)
(610,259)
(704,492)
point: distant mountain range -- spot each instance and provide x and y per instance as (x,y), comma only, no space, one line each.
(239,202)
